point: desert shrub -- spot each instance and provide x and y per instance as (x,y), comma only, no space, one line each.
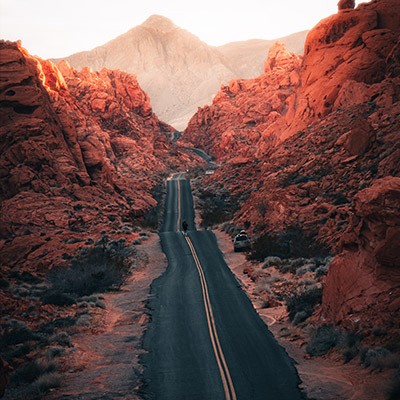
(58,299)
(303,301)
(217,207)
(350,343)
(323,339)
(83,320)
(100,304)
(267,245)
(323,267)
(19,351)
(214,216)
(321,271)
(293,242)
(378,331)
(32,370)
(152,219)
(272,261)
(304,269)
(28,277)
(378,358)
(230,228)
(300,317)
(62,338)
(46,382)
(16,332)
(97,269)
(54,351)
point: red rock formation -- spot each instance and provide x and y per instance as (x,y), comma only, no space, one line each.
(362,289)
(345,4)
(80,152)
(346,56)
(324,143)
(235,123)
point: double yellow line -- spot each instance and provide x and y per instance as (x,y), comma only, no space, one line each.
(219,355)
(178,221)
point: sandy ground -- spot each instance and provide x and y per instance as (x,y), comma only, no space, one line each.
(104,362)
(322,378)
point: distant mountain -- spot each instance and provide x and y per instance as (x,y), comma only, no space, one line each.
(176,69)
(248,57)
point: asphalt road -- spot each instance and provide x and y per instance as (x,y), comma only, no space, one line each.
(205,340)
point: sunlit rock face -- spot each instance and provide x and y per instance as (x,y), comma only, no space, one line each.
(236,122)
(177,69)
(80,152)
(313,144)
(362,286)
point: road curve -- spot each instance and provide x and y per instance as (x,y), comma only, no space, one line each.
(205,340)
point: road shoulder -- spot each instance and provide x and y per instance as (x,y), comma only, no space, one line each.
(322,378)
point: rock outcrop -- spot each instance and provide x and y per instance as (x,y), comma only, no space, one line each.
(313,145)
(346,4)
(80,153)
(235,123)
(177,69)
(362,289)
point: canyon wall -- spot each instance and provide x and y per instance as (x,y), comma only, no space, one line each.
(313,145)
(80,153)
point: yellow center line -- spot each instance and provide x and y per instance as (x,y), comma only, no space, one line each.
(178,222)
(219,355)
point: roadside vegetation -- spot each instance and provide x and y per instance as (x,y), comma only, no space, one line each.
(61,304)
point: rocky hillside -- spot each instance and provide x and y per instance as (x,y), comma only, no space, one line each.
(177,69)
(311,154)
(80,153)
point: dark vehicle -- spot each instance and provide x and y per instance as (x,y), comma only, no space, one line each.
(241,242)
(185,226)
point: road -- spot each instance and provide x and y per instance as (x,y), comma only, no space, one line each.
(205,340)
(204,156)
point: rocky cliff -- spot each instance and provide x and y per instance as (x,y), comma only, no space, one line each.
(312,145)
(177,69)
(80,153)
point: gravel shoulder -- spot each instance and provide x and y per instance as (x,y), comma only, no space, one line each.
(104,362)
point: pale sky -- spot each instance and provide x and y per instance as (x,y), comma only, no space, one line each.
(57,28)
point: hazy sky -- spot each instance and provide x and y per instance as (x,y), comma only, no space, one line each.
(56,28)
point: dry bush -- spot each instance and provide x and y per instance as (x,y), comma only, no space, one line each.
(97,269)
(46,382)
(303,301)
(323,339)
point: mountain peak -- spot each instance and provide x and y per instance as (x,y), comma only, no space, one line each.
(159,22)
